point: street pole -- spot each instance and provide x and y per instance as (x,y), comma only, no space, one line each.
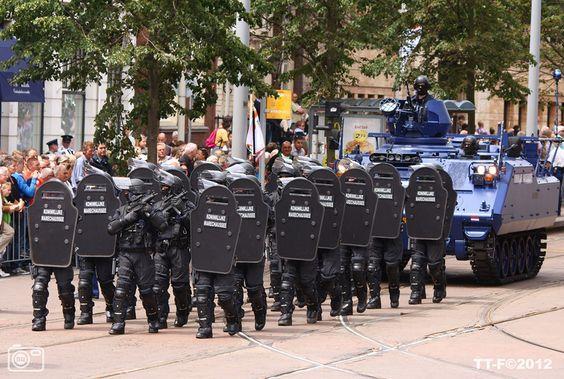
(240,97)
(262,117)
(557,75)
(534,50)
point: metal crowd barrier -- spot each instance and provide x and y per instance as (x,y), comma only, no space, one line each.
(18,250)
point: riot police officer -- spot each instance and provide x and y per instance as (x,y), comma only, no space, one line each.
(296,272)
(46,266)
(172,256)
(137,224)
(431,196)
(208,280)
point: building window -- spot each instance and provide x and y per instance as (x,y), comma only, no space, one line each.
(29,126)
(380,96)
(360,96)
(72,122)
(371,96)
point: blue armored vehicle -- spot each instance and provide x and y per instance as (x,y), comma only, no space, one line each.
(506,197)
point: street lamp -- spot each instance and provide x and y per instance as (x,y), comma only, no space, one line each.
(557,75)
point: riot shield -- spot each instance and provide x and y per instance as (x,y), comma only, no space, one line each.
(299,216)
(148,176)
(185,181)
(360,207)
(425,205)
(333,201)
(391,195)
(451,202)
(214,230)
(96,202)
(52,222)
(254,218)
(195,174)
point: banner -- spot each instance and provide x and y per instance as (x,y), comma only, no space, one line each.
(279,108)
(27,92)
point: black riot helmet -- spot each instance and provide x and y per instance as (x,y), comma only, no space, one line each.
(137,187)
(173,183)
(422,85)
(469,145)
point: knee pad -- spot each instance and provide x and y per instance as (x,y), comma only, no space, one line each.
(373,265)
(202,294)
(120,293)
(84,283)
(224,297)
(358,266)
(39,286)
(159,289)
(286,285)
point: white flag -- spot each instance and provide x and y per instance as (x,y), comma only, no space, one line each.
(258,146)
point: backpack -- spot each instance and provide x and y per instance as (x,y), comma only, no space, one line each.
(210,141)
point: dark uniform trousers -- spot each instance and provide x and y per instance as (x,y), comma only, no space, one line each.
(135,266)
(42,276)
(425,252)
(206,284)
(103,269)
(304,274)
(354,262)
(387,250)
(171,266)
(250,275)
(329,261)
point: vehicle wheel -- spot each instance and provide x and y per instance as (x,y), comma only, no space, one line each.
(513,256)
(521,259)
(504,258)
(529,254)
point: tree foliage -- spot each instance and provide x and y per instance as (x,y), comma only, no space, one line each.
(145,47)
(462,45)
(325,34)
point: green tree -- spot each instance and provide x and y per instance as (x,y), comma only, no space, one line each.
(322,36)
(142,46)
(463,46)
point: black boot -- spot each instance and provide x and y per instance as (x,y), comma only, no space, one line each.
(67,302)
(182,305)
(300,298)
(162,297)
(336,298)
(119,307)
(86,303)
(108,290)
(239,297)
(204,316)
(258,303)
(415,279)
(359,277)
(393,272)
(232,320)
(275,283)
(439,280)
(40,311)
(374,278)
(286,303)
(312,301)
(131,303)
(346,292)
(151,309)
(361,293)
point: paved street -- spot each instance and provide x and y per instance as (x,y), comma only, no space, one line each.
(510,331)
